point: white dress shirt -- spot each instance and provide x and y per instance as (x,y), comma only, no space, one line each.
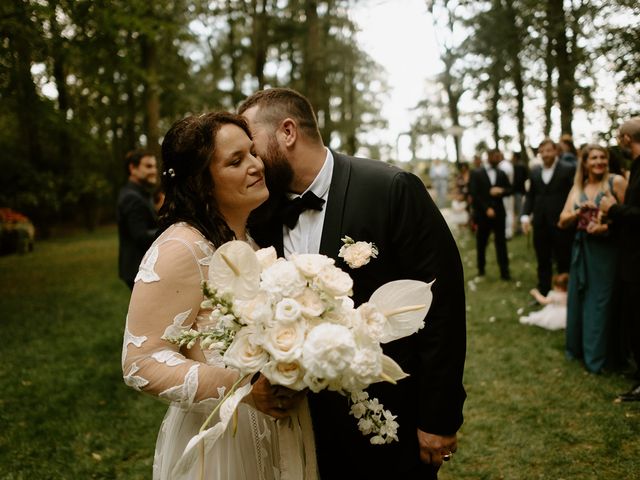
(305,236)
(547,173)
(491,172)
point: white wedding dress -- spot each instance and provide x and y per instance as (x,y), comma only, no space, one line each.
(166,300)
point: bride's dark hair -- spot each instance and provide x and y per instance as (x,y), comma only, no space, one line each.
(187,152)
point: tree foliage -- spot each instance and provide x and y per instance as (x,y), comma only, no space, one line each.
(84,81)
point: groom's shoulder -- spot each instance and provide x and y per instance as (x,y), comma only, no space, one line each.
(368,166)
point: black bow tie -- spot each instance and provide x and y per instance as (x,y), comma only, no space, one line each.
(293,208)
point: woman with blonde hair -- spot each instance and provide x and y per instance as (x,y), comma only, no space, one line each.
(593,259)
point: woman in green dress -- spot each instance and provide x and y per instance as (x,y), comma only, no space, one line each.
(593,260)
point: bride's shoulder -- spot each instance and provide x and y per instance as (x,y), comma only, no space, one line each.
(185,234)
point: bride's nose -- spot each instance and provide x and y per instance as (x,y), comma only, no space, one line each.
(256,165)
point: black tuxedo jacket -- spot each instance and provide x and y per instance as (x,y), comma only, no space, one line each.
(375,202)
(137,228)
(626,218)
(479,187)
(546,201)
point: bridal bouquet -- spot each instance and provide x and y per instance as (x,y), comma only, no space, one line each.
(294,321)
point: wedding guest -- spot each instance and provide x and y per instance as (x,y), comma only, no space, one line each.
(549,185)
(625,216)
(593,260)
(212,181)
(487,187)
(567,150)
(520,177)
(374,202)
(553,316)
(507,167)
(439,176)
(136,213)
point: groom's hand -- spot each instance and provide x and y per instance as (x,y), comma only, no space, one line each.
(275,400)
(434,449)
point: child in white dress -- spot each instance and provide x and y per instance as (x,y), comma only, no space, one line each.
(553,315)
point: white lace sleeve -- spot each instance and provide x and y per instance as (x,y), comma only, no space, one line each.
(166,300)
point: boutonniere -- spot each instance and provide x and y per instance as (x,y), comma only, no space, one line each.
(357,254)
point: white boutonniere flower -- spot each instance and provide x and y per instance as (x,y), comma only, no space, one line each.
(357,254)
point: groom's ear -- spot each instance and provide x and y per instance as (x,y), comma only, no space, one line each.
(289,129)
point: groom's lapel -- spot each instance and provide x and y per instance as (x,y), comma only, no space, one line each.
(332,229)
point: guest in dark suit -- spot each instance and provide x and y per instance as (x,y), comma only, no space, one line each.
(374,202)
(487,187)
(136,215)
(626,218)
(549,186)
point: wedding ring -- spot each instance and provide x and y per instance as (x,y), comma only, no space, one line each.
(280,404)
(447,456)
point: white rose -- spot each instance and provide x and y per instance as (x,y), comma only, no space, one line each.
(282,279)
(266,256)
(288,310)
(310,303)
(256,311)
(367,365)
(358,254)
(370,321)
(284,341)
(334,282)
(245,353)
(328,351)
(310,264)
(289,374)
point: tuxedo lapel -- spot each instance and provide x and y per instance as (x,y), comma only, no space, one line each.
(331,230)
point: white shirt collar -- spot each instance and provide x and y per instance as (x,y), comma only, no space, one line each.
(322,182)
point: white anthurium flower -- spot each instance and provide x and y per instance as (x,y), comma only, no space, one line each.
(284,341)
(334,281)
(282,279)
(405,303)
(391,371)
(235,268)
(245,352)
(310,264)
(267,256)
(288,374)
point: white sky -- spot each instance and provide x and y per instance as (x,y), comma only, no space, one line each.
(399,35)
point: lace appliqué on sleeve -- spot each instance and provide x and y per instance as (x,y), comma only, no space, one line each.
(146,273)
(185,393)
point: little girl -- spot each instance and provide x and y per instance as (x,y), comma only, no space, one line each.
(553,315)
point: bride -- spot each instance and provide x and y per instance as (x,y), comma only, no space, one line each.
(212,180)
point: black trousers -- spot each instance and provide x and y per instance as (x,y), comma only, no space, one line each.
(485,227)
(551,244)
(630,312)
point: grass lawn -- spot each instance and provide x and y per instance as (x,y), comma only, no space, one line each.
(66,414)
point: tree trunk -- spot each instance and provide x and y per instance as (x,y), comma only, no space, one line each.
(151,92)
(259,9)
(311,74)
(515,45)
(566,80)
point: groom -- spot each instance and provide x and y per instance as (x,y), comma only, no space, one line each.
(374,202)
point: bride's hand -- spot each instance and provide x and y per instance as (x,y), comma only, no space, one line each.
(275,400)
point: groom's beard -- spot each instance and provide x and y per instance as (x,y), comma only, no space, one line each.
(277,169)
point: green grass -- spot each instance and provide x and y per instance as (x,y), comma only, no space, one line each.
(66,414)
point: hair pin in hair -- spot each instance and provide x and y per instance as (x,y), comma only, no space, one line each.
(171,172)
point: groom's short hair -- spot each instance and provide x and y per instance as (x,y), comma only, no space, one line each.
(276,104)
